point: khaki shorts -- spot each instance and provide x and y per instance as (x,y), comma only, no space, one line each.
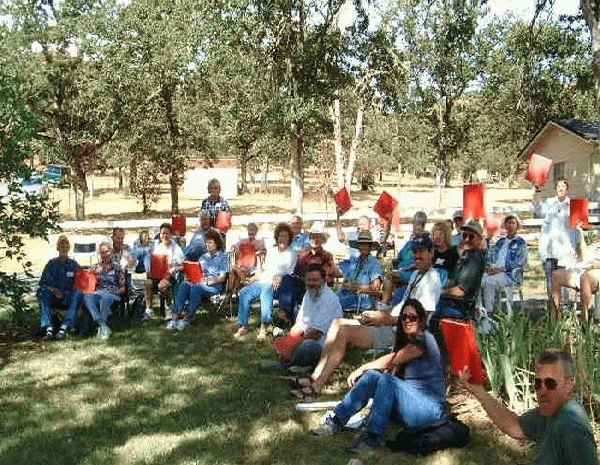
(383,336)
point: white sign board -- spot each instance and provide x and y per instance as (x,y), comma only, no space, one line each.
(196,182)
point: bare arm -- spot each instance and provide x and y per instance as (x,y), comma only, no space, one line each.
(454,291)
(503,418)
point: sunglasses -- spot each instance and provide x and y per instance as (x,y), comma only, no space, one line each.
(410,318)
(469,236)
(550,383)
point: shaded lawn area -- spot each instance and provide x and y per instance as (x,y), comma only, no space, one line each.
(149,396)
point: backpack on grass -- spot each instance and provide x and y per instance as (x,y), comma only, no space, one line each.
(443,434)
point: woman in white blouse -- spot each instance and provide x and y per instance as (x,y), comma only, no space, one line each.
(280,260)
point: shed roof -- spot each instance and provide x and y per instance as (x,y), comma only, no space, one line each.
(587,130)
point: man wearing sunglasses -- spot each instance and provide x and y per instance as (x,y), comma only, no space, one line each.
(559,425)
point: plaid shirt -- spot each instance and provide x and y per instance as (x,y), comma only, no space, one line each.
(213,207)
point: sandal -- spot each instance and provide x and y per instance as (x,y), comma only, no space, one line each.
(298,383)
(305,393)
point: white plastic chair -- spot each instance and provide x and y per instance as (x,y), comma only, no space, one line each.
(507,295)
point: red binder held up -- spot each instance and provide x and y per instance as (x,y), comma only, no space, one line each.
(463,349)
(85,281)
(385,205)
(223,221)
(178,225)
(538,170)
(247,255)
(579,212)
(342,200)
(159,265)
(474,201)
(193,271)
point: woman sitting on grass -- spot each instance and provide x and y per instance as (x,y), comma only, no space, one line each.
(280,261)
(409,383)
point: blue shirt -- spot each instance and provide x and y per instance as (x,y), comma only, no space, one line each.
(59,274)
(110,277)
(300,242)
(426,373)
(361,272)
(214,266)
(196,248)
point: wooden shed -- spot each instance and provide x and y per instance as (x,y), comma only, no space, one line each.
(573,147)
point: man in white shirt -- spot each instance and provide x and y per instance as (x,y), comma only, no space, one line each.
(166,247)
(320,306)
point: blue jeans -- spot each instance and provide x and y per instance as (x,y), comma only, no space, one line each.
(349,299)
(194,294)
(290,294)
(307,354)
(99,304)
(391,395)
(72,299)
(249,294)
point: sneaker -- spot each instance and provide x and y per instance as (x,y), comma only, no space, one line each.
(278,332)
(330,426)
(62,333)
(172,325)
(262,335)
(148,314)
(183,324)
(241,333)
(104,332)
(366,441)
(49,334)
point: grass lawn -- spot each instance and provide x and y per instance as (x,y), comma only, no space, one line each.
(149,396)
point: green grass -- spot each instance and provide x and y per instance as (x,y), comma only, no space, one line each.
(149,396)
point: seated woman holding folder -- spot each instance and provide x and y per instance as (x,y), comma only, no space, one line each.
(408,383)
(246,251)
(110,286)
(206,280)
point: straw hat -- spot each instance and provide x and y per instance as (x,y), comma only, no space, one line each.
(318,227)
(364,237)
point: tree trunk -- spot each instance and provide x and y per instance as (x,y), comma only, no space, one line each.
(264,173)
(358,132)
(243,174)
(437,195)
(174,182)
(399,175)
(297,173)
(120,178)
(337,143)
(79,203)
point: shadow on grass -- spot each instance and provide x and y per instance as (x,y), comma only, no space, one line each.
(149,396)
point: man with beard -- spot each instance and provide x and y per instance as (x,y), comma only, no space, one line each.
(559,425)
(320,306)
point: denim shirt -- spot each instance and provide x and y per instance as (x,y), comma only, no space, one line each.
(300,242)
(365,274)
(215,265)
(59,274)
(516,256)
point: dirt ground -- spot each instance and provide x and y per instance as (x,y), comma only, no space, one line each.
(106,202)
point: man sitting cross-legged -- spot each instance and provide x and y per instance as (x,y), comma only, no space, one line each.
(376,328)
(320,306)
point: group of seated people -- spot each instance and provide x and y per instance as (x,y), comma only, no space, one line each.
(283,273)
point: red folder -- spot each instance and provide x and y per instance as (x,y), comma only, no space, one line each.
(579,212)
(85,281)
(247,255)
(287,345)
(342,200)
(193,271)
(463,349)
(538,170)
(178,225)
(223,222)
(159,265)
(474,201)
(493,223)
(385,205)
